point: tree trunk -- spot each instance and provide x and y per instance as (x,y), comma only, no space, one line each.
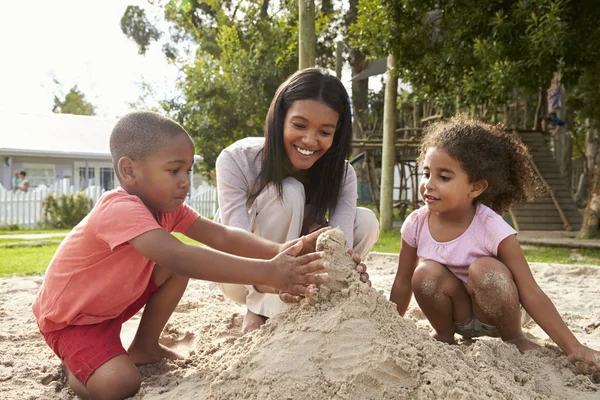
(388,151)
(537,117)
(591,215)
(307,41)
(591,151)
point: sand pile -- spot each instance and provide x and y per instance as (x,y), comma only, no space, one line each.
(348,342)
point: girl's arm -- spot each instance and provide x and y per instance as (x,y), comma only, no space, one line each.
(402,288)
(538,305)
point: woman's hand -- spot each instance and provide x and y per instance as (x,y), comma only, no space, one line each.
(361,268)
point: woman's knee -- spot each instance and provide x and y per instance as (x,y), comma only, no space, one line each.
(294,196)
(366,230)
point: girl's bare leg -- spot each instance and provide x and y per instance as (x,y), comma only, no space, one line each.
(496,300)
(145,348)
(252,321)
(442,297)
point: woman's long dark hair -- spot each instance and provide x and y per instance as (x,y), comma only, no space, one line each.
(328,173)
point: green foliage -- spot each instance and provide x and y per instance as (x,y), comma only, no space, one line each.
(480,50)
(66,211)
(73,103)
(136,26)
(232,56)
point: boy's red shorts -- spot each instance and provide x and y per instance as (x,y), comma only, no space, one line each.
(84,348)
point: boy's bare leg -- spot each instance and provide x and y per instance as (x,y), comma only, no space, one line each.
(496,300)
(442,297)
(252,321)
(145,348)
(118,378)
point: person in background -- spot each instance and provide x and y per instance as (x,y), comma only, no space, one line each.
(23,185)
(15,181)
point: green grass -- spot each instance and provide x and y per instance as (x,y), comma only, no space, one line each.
(30,231)
(35,260)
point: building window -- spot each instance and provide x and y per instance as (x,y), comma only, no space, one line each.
(94,174)
(39,174)
(107,178)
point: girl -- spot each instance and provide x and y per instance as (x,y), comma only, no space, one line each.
(460,258)
(286,184)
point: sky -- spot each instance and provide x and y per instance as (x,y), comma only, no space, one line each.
(79,42)
(76,42)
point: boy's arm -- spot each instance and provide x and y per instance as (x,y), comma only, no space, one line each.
(232,240)
(286,271)
(538,305)
(402,289)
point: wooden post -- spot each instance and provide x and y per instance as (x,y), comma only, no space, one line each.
(388,151)
(306,34)
(339,61)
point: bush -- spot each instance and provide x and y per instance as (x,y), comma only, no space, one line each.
(66,211)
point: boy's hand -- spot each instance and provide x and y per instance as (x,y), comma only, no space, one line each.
(294,273)
(361,268)
(588,356)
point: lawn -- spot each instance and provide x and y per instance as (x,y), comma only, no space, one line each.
(33,260)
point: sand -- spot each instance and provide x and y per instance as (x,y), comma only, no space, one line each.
(345,343)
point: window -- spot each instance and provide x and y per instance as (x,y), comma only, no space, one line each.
(94,174)
(39,174)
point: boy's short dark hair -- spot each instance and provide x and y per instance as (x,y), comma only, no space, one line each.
(23,173)
(139,134)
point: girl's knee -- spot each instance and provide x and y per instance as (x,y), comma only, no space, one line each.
(489,274)
(427,278)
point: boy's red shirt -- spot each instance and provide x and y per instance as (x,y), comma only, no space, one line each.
(96,274)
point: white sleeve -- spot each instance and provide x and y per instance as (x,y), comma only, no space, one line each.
(345,211)
(232,191)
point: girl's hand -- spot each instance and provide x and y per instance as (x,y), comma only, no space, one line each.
(590,357)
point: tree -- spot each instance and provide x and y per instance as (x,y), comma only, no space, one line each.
(477,54)
(233,55)
(73,103)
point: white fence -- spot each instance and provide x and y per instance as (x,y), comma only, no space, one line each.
(25,209)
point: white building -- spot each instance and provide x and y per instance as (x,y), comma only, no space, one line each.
(50,147)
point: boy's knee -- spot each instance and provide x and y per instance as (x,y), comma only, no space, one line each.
(120,380)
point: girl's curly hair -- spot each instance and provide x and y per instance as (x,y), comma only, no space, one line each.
(489,152)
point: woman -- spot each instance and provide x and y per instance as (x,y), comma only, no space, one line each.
(23,185)
(286,184)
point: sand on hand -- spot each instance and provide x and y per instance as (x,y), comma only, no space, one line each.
(346,342)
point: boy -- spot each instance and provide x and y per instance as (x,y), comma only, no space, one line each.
(122,257)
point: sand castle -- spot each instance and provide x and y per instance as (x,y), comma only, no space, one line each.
(349,342)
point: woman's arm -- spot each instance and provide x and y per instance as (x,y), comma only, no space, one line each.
(537,303)
(402,288)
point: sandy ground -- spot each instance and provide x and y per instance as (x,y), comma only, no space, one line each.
(351,349)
